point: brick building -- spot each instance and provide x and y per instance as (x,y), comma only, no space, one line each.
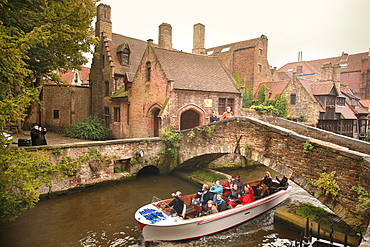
(66,102)
(324,103)
(247,58)
(354,71)
(179,89)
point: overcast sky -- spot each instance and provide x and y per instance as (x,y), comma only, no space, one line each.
(318,28)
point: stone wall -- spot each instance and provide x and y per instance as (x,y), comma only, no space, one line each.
(117,153)
(348,142)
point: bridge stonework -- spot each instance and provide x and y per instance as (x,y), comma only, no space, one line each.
(283,151)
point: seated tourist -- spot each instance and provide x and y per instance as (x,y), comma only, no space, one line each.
(248,195)
(177,203)
(267,180)
(283,184)
(221,204)
(204,196)
(216,189)
(211,208)
(260,191)
(234,196)
(227,187)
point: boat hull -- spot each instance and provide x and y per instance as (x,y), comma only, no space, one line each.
(175,228)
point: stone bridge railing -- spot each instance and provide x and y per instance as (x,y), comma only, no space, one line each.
(300,158)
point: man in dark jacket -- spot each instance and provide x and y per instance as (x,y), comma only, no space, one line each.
(177,203)
(38,135)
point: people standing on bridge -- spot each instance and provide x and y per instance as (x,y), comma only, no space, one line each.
(214,117)
(177,203)
(204,195)
(227,114)
(216,189)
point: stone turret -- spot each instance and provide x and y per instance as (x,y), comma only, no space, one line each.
(103,22)
(165,36)
(198,39)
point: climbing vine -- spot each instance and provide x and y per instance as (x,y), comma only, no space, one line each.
(328,183)
(307,147)
(363,199)
(172,140)
(210,129)
(191,136)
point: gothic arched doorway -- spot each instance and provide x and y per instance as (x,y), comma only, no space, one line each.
(156,122)
(189,119)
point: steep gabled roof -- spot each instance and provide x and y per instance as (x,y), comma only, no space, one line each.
(195,72)
(68,77)
(136,46)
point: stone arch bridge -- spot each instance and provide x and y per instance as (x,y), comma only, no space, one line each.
(301,158)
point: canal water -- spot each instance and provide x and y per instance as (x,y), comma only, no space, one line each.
(105,217)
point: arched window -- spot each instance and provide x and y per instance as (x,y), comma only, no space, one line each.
(148,70)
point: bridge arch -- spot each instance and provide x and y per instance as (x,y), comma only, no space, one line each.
(283,151)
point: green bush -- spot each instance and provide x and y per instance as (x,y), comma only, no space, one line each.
(90,128)
(307,210)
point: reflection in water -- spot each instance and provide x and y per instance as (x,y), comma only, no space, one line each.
(105,217)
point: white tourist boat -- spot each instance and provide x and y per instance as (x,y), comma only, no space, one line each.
(162,225)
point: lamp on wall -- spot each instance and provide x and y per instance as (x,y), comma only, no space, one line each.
(140,154)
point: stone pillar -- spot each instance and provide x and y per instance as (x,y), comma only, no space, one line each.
(165,36)
(198,39)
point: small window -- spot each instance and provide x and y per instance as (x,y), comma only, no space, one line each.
(148,70)
(260,52)
(106,88)
(290,70)
(209,53)
(226,49)
(293,98)
(259,68)
(106,116)
(117,114)
(56,114)
(223,103)
(344,65)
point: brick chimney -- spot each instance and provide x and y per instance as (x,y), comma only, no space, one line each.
(330,72)
(103,21)
(198,39)
(165,36)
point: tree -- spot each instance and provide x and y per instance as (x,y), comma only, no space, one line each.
(37,37)
(67,34)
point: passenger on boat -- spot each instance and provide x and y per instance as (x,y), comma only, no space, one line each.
(248,195)
(221,204)
(227,186)
(211,208)
(216,189)
(204,196)
(267,180)
(260,191)
(283,184)
(234,196)
(177,203)
(240,183)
